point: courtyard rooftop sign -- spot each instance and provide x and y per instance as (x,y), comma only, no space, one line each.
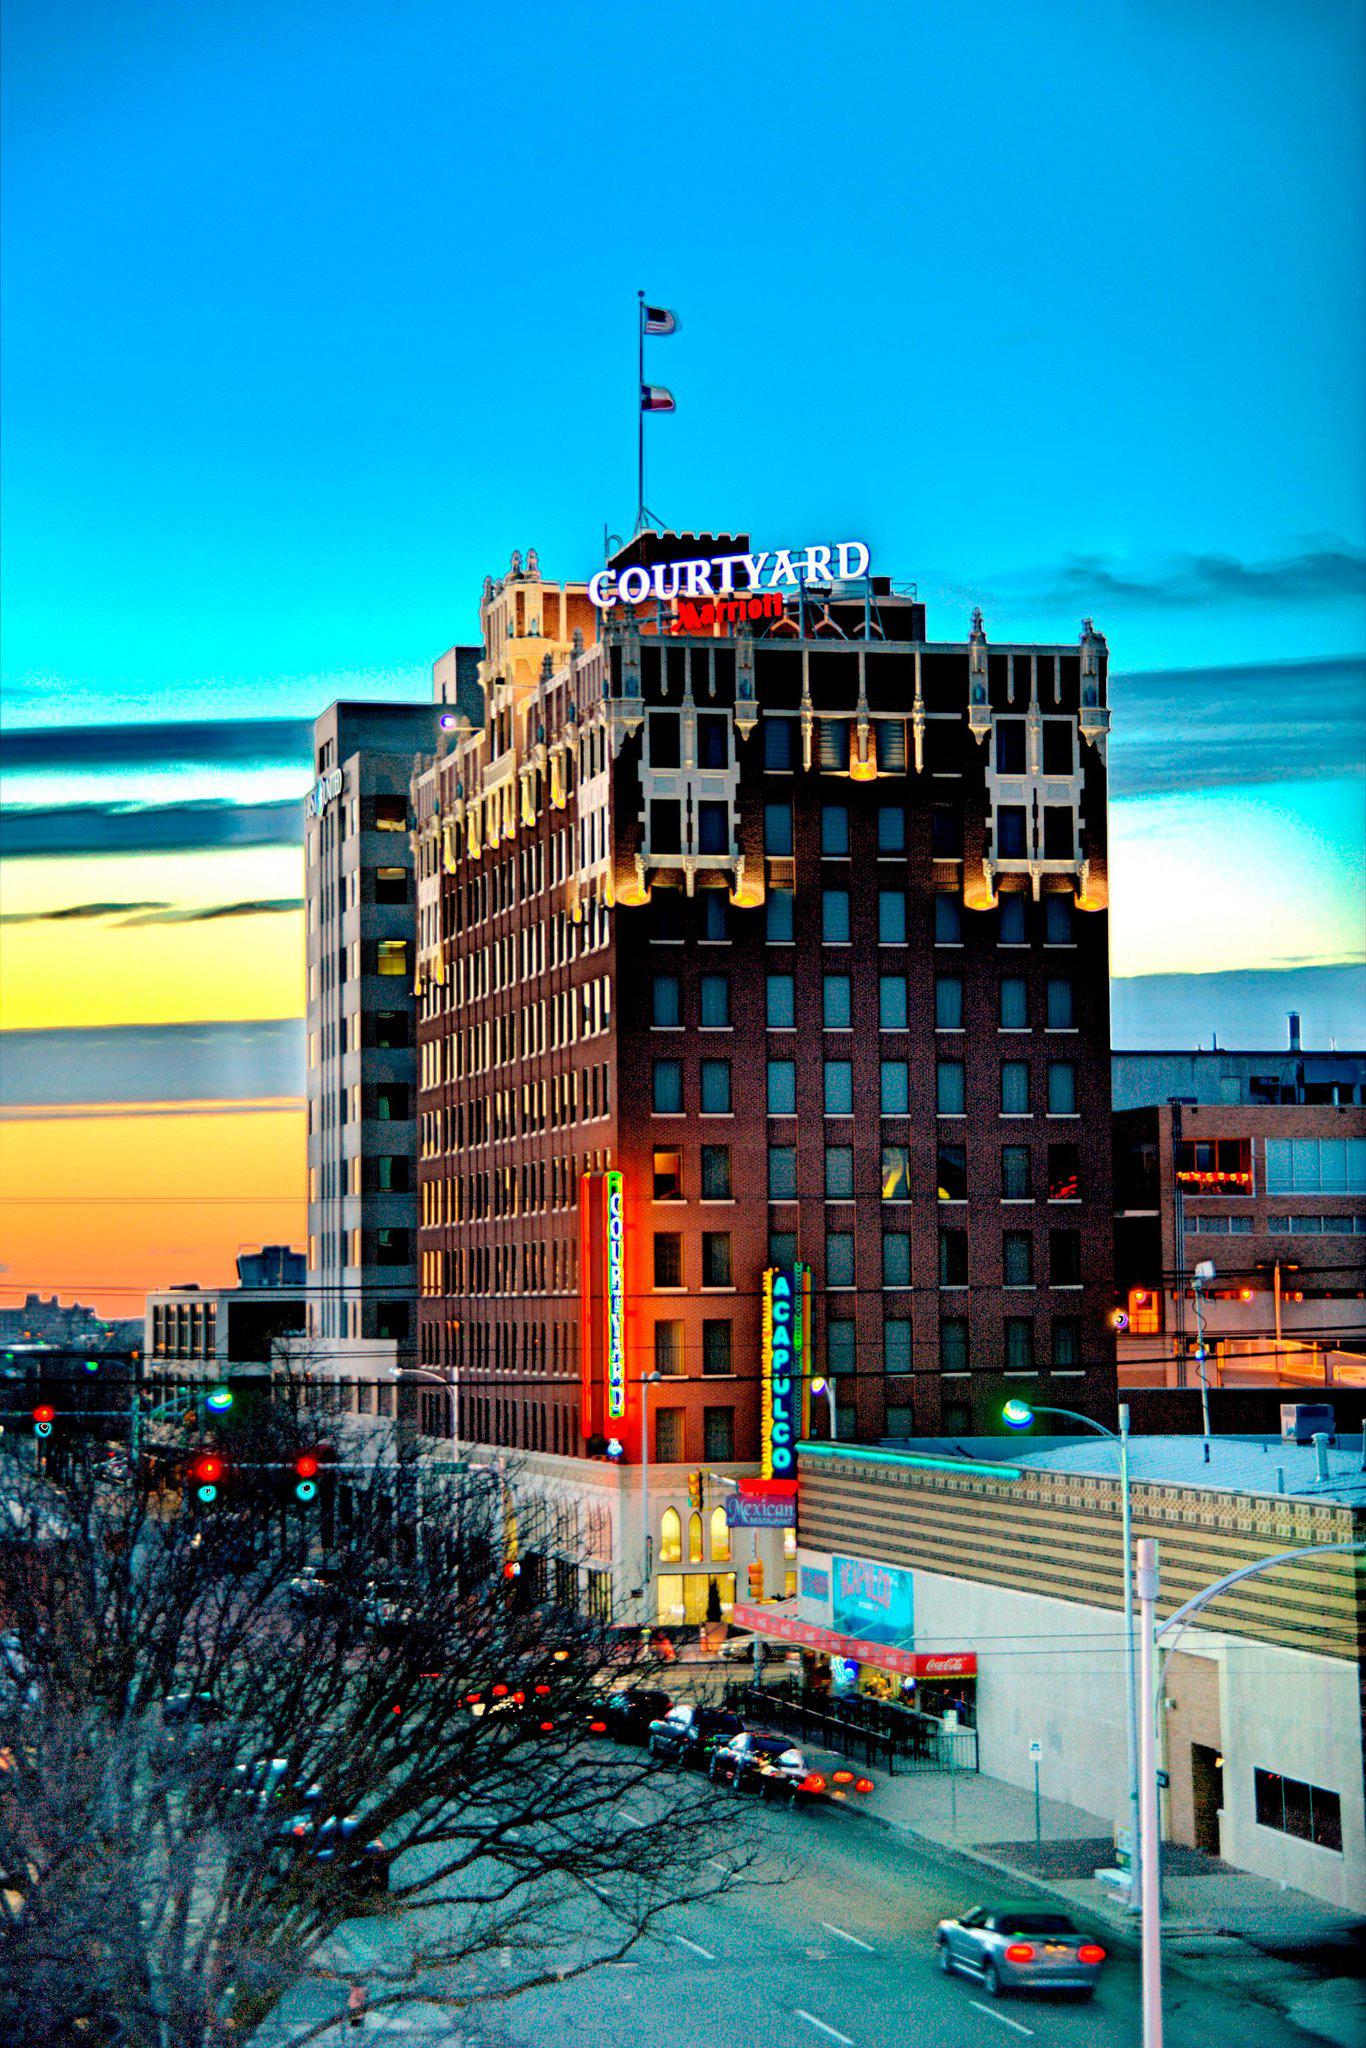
(840,561)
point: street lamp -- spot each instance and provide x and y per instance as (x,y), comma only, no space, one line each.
(646,1381)
(1019,1415)
(1200,1280)
(826,1387)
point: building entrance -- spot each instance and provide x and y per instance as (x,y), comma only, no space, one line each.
(1207,1796)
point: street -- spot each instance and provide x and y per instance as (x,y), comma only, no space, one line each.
(834,1944)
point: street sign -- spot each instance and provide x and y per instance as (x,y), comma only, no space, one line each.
(1036,1750)
(1163,1781)
(1124,1848)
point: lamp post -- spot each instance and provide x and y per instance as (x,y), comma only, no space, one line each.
(821,1385)
(647,1380)
(1019,1415)
(1200,1280)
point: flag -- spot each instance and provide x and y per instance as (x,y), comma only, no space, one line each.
(659,320)
(654,398)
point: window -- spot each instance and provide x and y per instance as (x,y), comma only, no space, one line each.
(391,885)
(782,1173)
(782,1087)
(895,1084)
(713,826)
(1010,746)
(896,1258)
(896,1173)
(837,1002)
(835,917)
(666,825)
(1062,1088)
(1011,921)
(668,1259)
(393,1175)
(780,742)
(953,1258)
(1216,1165)
(716,1266)
(390,1029)
(716,1185)
(1313,1166)
(841,1346)
(391,1102)
(1066,1344)
(778,923)
(891,1002)
(1057,746)
(891,828)
(1012,841)
(666,1088)
(716,1347)
(1017,1259)
(948,1002)
(668,1175)
(1057,921)
(839,1088)
(1015,1088)
(1060,1009)
(780,1002)
(952,1173)
(1059,842)
(839,1258)
(716,1087)
(948,919)
(1014,1003)
(1019,1344)
(391,814)
(1017,1180)
(718,1434)
(832,738)
(695,1539)
(713,739)
(950,1095)
(720,1537)
(669,1348)
(666,916)
(715,1002)
(953,1344)
(896,1345)
(1064,1258)
(392,956)
(946,833)
(391,1247)
(889,745)
(1294,1808)
(834,830)
(778,830)
(782,1248)
(891,917)
(670,1522)
(664,739)
(839,1173)
(666,1002)
(1063,1173)
(715,915)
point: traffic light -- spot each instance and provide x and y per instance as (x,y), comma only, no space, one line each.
(208,1472)
(219,1399)
(43,1419)
(695,1490)
(756,1579)
(92,1365)
(306,1477)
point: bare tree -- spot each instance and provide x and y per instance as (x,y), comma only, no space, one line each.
(221,1779)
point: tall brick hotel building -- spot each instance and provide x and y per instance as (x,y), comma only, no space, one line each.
(795,921)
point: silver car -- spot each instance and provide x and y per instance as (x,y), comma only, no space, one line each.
(1020,1948)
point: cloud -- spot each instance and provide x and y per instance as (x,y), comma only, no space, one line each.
(259,1060)
(1328,571)
(27,831)
(218,742)
(72,911)
(206,913)
(1203,728)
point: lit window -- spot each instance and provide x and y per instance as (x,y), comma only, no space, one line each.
(393,956)
(670,1537)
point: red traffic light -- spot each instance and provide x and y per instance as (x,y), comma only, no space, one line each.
(208,1470)
(45,1414)
(307,1466)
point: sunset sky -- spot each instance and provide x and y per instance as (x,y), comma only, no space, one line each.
(313,315)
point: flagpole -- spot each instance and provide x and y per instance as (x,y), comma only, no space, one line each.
(640,411)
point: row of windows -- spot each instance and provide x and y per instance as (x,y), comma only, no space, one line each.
(1312,1226)
(565,1018)
(389,1103)
(1061,1181)
(1316,1166)
(530,1187)
(1010,837)
(1017,921)
(570,1096)
(1012,918)
(1016,1087)
(671,1537)
(837,1002)
(506,963)
(1017,1258)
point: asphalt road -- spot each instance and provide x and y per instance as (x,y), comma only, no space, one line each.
(833,1945)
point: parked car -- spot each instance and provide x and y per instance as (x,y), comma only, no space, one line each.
(630,1715)
(757,1761)
(387,1604)
(688,1734)
(1020,1948)
(199,1709)
(314,1587)
(340,1844)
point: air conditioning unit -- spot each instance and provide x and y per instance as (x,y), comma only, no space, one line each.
(1302,1421)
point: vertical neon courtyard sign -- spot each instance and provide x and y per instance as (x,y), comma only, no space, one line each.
(616,1299)
(783,1369)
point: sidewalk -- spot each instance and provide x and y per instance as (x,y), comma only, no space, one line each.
(1304,1959)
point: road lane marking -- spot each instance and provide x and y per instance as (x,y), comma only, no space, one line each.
(713,1863)
(1003,2017)
(696,1947)
(631,1814)
(812,2021)
(844,1935)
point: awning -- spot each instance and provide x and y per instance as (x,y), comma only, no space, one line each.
(778,1621)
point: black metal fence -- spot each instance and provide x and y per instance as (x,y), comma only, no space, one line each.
(878,1732)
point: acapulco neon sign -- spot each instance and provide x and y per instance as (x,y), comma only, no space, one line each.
(841,561)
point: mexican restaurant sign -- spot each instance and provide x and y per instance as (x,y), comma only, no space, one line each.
(778,569)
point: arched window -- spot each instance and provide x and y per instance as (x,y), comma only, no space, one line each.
(694,1539)
(789,1543)
(720,1537)
(670,1537)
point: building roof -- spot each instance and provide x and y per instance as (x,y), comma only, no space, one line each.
(1237,1464)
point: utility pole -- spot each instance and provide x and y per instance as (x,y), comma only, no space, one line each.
(1147,1797)
(1179,1235)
